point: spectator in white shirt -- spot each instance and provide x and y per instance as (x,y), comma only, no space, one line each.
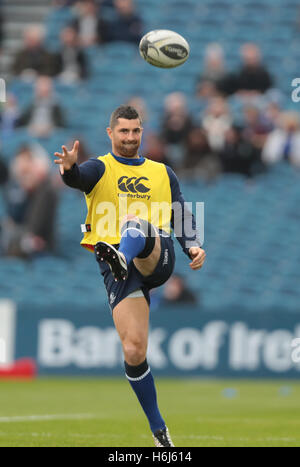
(91,28)
(283,143)
(216,122)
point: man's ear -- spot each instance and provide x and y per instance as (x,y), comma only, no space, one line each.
(109,132)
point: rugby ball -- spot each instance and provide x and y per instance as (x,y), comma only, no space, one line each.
(164,49)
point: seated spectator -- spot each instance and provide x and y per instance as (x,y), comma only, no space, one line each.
(71,60)
(90,27)
(29,227)
(1,27)
(9,115)
(217,120)
(273,108)
(34,59)
(44,114)
(127,25)
(272,114)
(253,77)
(3,172)
(256,126)
(200,161)
(283,143)
(239,155)
(214,79)
(155,149)
(175,127)
(63,3)
(176,292)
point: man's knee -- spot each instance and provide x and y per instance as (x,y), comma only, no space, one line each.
(135,351)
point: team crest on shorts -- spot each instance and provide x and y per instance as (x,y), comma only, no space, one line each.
(112,298)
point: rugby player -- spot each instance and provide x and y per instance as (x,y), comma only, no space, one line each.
(132,205)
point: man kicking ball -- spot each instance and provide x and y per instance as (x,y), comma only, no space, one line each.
(132,205)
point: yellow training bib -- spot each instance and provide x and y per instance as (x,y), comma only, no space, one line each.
(143,190)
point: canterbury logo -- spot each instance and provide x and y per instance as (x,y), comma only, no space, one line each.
(133,185)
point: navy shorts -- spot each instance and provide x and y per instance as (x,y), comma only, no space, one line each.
(119,290)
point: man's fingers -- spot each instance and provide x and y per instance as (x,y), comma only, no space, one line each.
(65,151)
(76,146)
(197,266)
(60,163)
(58,154)
(200,256)
(198,261)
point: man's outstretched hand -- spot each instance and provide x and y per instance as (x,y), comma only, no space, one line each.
(68,158)
(198,257)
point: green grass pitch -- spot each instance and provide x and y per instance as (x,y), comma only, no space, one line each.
(105,413)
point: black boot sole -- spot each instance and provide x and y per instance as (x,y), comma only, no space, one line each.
(106,252)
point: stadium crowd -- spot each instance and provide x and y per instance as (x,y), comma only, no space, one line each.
(205,147)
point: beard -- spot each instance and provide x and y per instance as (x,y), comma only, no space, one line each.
(128,150)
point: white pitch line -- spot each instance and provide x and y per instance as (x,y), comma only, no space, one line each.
(222,438)
(74,435)
(203,437)
(41,418)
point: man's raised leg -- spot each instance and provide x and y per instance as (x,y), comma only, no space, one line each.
(140,243)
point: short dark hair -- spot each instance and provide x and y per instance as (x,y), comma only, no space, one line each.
(124,111)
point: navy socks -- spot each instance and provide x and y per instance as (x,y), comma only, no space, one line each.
(142,382)
(133,240)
